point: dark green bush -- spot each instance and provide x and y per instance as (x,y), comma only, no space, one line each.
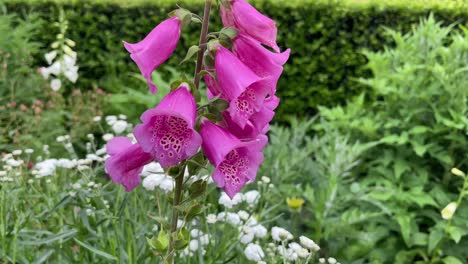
(325,37)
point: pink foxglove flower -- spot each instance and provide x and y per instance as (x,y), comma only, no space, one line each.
(264,63)
(167,131)
(236,162)
(239,85)
(257,124)
(126,162)
(155,48)
(249,20)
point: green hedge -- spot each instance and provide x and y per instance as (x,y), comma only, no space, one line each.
(326,39)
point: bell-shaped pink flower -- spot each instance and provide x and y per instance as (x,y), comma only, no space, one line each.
(167,131)
(249,20)
(264,63)
(257,123)
(155,48)
(239,85)
(236,162)
(126,162)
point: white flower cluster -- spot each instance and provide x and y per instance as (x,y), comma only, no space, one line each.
(117,123)
(197,243)
(155,177)
(250,197)
(64,65)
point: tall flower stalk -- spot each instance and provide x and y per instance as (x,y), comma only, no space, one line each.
(183,136)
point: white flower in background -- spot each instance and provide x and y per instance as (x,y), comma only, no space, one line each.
(101,151)
(167,184)
(17,152)
(193,245)
(308,243)
(46,167)
(254,252)
(246,238)
(119,126)
(44,72)
(55,68)
(50,56)
(322,260)
(72,74)
(55,84)
(3,173)
(97,119)
(152,168)
(211,219)
(265,179)
(180,223)
(233,219)
(243,215)
(28,151)
(252,197)
(123,117)
(111,119)
(332,260)
(14,163)
(287,253)
(66,163)
(449,210)
(259,230)
(227,202)
(280,234)
(69,61)
(152,181)
(107,137)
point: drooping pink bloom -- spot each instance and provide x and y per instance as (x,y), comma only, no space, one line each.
(167,131)
(249,20)
(240,86)
(155,48)
(126,162)
(257,123)
(264,63)
(236,162)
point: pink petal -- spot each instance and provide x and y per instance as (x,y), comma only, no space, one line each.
(117,144)
(233,75)
(217,142)
(125,165)
(167,131)
(263,62)
(249,20)
(155,48)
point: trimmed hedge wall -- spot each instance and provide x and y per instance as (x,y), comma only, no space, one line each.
(326,39)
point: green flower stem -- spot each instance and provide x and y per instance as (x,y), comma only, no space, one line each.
(179,183)
(202,42)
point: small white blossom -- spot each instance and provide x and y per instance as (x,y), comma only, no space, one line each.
(332,260)
(449,210)
(55,84)
(254,252)
(265,179)
(155,228)
(246,238)
(252,197)
(233,219)
(50,56)
(107,137)
(243,215)
(152,181)
(123,117)
(119,126)
(280,234)
(30,181)
(152,168)
(28,151)
(193,245)
(110,119)
(211,219)
(3,173)
(14,163)
(97,119)
(308,243)
(322,260)
(17,152)
(260,231)
(227,202)
(167,184)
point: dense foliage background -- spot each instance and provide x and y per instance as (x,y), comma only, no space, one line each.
(379,88)
(326,40)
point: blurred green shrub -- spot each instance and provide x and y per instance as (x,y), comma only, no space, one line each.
(417,111)
(325,37)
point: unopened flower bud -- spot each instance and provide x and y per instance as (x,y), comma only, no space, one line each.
(449,210)
(457,172)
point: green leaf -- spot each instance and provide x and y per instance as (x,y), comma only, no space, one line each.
(418,130)
(196,163)
(456,233)
(197,189)
(95,250)
(191,51)
(405,227)
(43,257)
(452,260)
(434,238)
(62,236)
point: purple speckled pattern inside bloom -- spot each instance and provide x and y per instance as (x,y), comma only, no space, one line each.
(167,131)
